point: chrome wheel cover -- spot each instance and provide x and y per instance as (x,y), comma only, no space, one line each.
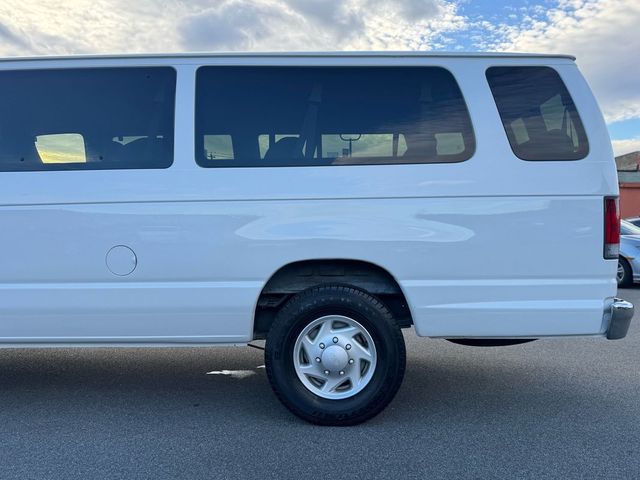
(334,357)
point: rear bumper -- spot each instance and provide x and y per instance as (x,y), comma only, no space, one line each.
(621,314)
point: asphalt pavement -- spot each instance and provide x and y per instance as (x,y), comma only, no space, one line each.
(555,408)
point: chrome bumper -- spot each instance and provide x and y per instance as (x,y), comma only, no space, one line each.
(621,314)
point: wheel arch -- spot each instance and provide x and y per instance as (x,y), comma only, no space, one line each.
(299,275)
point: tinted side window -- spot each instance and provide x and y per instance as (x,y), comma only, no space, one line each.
(86,119)
(538,114)
(297,116)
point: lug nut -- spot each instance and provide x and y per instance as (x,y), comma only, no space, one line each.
(318,359)
(348,346)
(341,372)
(351,361)
(327,372)
(335,339)
(322,345)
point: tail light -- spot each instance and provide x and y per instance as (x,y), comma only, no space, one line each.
(611,228)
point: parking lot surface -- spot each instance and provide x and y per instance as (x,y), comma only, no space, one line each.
(555,408)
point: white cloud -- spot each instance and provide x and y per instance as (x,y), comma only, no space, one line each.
(231,25)
(30,27)
(327,25)
(620,147)
(601,33)
(85,26)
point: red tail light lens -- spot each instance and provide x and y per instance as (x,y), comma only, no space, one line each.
(611,228)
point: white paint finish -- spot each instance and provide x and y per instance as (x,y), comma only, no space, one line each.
(121,260)
(203,57)
(205,263)
(140,311)
(494,246)
(117,342)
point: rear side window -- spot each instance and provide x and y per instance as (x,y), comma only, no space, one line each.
(310,116)
(86,119)
(538,114)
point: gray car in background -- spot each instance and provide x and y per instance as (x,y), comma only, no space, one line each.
(634,220)
(629,260)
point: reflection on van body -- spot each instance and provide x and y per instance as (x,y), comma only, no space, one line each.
(320,202)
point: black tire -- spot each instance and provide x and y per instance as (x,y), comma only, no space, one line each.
(374,316)
(627,275)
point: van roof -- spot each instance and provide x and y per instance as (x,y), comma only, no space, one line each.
(387,54)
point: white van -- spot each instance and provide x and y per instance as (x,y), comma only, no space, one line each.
(322,202)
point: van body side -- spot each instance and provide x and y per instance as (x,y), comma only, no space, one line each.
(491,247)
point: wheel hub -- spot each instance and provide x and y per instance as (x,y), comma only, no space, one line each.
(335,358)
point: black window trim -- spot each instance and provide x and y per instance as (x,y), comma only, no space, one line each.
(107,67)
(472,153)
(506,135)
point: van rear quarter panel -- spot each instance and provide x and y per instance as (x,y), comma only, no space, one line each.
(491,247)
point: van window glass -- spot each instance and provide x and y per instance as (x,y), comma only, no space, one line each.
(538,114)
(449,143)
(86,119)
(61,148)
(358,145)
(265,141)
(218,147)
(312,116)
(124,140)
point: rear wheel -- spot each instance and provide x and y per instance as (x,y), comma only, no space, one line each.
(624,274)
(335,355)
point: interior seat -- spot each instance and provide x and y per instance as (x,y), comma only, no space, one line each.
(141,151)
(286,148)
(422,147)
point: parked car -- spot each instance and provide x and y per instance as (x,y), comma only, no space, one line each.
(634,220)
(629,262)
(322,202)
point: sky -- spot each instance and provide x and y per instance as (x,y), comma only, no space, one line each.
(602,34)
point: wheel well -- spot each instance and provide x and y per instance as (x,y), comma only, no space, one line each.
(298,276)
